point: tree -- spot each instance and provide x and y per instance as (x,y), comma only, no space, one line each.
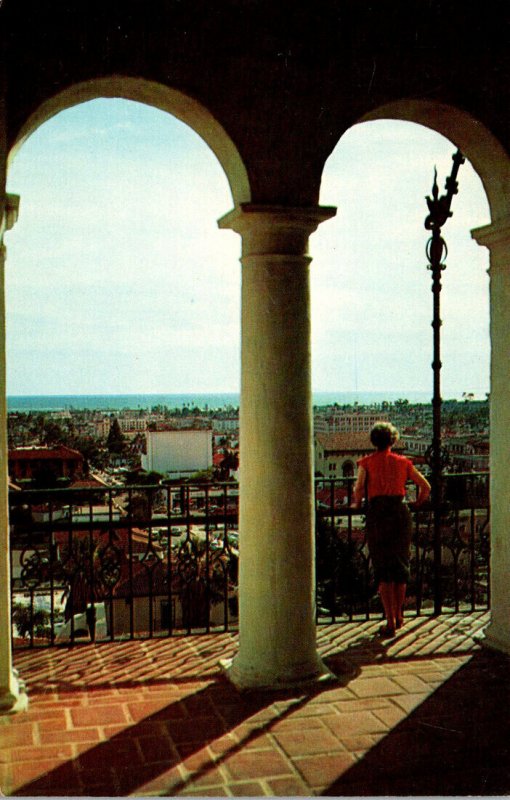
(52,433)
(115,442)
(29,621)
(90,450)
(142,478)
(230,463)
(140,503)
(203,476)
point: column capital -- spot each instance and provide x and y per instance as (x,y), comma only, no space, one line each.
(492,235)
(10,215)
(496,237)
(268,229)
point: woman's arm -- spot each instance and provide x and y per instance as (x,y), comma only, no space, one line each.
(422,484)
(359,488)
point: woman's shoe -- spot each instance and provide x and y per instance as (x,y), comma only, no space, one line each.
(386,632)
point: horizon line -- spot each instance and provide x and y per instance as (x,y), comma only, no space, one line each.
(399,394)
(208,392)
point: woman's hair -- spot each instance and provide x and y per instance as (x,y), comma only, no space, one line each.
(383,435)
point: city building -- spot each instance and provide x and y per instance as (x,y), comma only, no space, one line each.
(172,604)
(131,425)
(29,463)
(415,444)
(468,453)
(100,427)
(225,425)
(336,454)
(336,421)
(178,453)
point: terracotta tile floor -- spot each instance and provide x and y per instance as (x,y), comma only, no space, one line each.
(424,714)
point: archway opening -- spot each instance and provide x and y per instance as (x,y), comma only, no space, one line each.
(371,291)
(118,280)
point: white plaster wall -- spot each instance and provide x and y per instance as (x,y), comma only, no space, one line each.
(178,451)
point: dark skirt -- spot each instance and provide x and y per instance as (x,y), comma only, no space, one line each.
(389,533)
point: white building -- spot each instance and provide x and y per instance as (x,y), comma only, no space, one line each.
(132,424)
(416,445)
(178,452)
(229,425)
(335,421)
(101,427)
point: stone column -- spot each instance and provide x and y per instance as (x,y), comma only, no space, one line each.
(497,238)
(12,690)
(277,641)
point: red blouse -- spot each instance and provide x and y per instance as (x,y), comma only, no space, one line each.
(387,473)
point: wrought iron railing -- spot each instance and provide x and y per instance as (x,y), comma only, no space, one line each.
(345,582)
(112,563)
(123,562)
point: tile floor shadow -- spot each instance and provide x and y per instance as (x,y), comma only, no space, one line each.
(456,743)
(145,754)
(144,757)
(157,717)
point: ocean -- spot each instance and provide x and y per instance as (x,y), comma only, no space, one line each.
(117,402)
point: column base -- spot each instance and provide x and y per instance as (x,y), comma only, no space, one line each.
(14,698)
(246,681)
(495,639)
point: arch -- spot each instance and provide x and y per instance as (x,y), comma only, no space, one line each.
(181,106)
(348,469)
(486,154)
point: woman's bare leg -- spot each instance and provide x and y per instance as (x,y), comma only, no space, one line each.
(387,593)
(400,595)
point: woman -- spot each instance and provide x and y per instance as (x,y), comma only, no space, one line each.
(382,476)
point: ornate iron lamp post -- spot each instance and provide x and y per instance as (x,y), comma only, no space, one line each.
(436,250)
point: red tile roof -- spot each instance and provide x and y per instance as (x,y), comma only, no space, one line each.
(324,495)
(120,539)
(88,483)
(33,453)
(357,442)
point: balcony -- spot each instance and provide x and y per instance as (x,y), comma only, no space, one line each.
(141,706)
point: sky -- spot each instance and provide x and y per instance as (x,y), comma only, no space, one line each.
(118,279)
